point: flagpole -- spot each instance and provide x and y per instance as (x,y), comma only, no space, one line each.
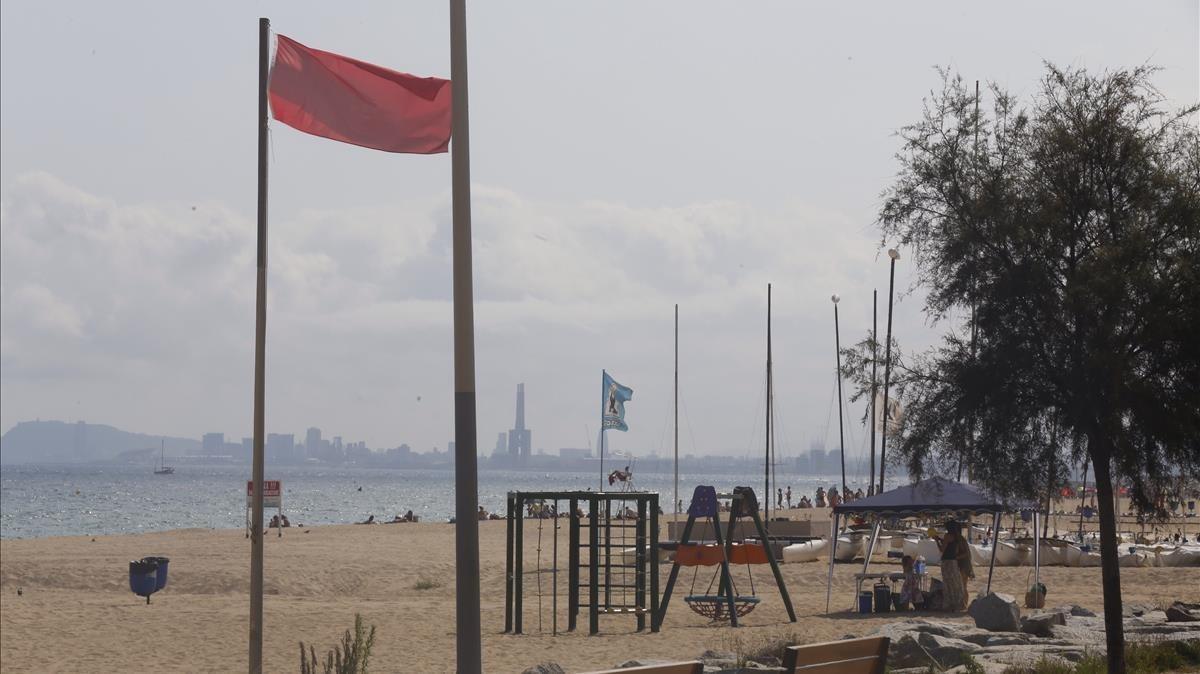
(260,348)
(602,434)
(676,409)
(466,479)
(874,392)
(837,347)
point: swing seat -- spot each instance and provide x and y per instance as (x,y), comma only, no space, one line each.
(715,607)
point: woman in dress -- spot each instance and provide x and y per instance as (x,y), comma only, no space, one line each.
(951,546)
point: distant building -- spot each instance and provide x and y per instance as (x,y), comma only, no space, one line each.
(312,442)
(213,443)
(520,439)
(501,445)
(280,446)
(574,453)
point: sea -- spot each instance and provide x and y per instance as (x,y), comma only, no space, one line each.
(102,499)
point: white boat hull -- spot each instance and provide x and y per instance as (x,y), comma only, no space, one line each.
(808,551)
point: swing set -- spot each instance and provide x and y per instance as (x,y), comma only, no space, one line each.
(727,603)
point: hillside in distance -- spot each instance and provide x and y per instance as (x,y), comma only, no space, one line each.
(63,442)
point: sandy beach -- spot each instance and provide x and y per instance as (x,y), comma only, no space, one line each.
(76,613)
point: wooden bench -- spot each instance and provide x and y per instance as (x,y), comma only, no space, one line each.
(693,667)
(849,656)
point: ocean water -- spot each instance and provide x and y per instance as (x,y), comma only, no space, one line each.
(69,500)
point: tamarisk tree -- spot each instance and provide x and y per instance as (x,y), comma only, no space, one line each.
(1071,225)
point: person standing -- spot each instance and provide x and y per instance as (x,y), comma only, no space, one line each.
(820,497)
(779,497)
(787,495)
(950,546)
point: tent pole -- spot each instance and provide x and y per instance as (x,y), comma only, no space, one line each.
(995,544)
(871,546)
(1037,551)
(832,550)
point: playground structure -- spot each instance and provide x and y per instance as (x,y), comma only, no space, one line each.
(631,531)
(726,603)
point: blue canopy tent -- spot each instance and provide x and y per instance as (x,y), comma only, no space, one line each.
(934,496)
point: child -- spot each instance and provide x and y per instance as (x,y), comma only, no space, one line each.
(910,591)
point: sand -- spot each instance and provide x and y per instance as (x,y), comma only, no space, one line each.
(76,613)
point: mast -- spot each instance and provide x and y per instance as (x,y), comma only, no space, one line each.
(837,347)
(676,409)
(767,450)
(874,386)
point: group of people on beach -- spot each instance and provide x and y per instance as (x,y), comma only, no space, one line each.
(406,517)
(822,499)
(950,592)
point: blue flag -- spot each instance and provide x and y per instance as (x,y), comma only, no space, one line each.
(612,403)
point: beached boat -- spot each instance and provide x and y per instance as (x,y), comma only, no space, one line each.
(808,551)
(1010,553)
(1134,559)
(849,546)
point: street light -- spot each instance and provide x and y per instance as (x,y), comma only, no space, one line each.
(887,368)
(837,345)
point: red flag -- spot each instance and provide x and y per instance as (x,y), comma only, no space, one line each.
(359,103)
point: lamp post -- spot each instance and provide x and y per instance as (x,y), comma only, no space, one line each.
(837,344)
(887,370)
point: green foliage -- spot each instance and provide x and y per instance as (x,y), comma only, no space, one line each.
(349,657)
(971,665)
(1163,656)
(1070,231)
(426,584)
(1073,229)
(1140,658)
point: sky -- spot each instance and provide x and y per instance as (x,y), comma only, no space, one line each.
(625,157)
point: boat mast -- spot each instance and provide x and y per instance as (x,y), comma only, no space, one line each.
(767,450)
(874,385)
(676,409)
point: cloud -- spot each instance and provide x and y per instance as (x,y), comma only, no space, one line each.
(144,314)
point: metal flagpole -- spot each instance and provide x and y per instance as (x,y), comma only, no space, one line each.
(676,409)
(767,451)
(874,363)
(260,348)
(837,346)
(466,482)
(887,370)
(602,434)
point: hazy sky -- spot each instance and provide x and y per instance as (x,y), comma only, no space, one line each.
(625,156)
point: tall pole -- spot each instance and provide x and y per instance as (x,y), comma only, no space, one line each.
(466,467)
(887,370)
(874,387)
(837,344)
(260,354)
(767,451)
(676,409)
(602,403)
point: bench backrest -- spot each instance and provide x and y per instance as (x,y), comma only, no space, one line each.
(693,667)
(849,656)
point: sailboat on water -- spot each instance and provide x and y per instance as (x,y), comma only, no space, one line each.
(163,468)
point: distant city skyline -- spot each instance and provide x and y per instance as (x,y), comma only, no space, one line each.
(625,156)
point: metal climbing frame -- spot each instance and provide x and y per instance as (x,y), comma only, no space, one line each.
(606,571)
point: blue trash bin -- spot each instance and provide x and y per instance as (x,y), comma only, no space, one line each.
(864,601)
(161,573)
(143,578)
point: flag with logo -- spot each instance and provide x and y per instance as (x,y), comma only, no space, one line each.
(613,404)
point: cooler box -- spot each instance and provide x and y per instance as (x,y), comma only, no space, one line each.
(864,602)
(883,598)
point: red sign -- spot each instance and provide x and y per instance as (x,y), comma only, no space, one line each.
(272,493)
(270,488)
